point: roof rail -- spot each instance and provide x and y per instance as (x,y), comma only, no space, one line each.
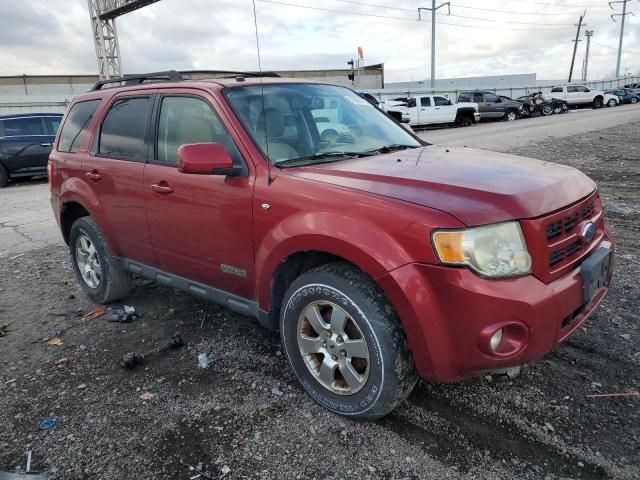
(232,73)
(169,75)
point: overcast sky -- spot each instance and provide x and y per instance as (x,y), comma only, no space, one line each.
(54,37)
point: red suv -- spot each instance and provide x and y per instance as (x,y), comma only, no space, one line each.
(377,256)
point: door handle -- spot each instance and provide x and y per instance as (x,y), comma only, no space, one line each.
(437,108)
(93,175)
(46,144)
(162,189)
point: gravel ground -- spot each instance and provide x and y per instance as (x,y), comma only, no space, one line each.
(245,415)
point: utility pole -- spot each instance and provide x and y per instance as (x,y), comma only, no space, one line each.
(585,65)
(433,11)
(624,16)
(575,46)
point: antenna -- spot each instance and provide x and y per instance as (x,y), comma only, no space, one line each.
(264,116)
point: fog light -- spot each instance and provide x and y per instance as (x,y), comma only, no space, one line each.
(496,339)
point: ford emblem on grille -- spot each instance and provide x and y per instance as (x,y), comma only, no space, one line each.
(588,230)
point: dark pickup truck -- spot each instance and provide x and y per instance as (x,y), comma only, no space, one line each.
(492,106)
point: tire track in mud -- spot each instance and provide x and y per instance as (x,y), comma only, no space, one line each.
(467,433)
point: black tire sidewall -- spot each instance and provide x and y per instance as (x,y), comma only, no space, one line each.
(4,176)
(365,399)
(87,227)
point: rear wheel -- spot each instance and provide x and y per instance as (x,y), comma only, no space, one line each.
(4,176)
(634,100)
(344,342)
(464,121)
(612,103)
(95,268)
(547,110)
(597,102)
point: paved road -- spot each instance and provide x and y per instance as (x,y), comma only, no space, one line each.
(26,221)
(502,136)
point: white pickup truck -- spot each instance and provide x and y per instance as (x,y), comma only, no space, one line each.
(581,95)
(434,109)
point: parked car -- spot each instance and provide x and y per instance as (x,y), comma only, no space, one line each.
(25,144)
(493,107)
(579,95)
(435,109)
(370,97)
(625,95)
(536,104)
(378,257)
(635,87)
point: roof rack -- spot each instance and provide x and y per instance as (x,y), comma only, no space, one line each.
(170,75)
(232,73)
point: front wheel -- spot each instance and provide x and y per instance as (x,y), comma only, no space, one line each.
(99,276)
(511,116)
(547,110)
(344,342)
(597,103)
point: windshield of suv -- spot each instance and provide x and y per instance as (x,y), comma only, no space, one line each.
(300,124)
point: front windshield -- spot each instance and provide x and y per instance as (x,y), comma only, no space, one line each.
(308,123)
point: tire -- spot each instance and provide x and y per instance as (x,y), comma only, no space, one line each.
(371,387)
(557,110)
(597,102)
(547,110)
(464,121)
(511,116)
(100,278)
(4,176)
(612,103)
(634,100)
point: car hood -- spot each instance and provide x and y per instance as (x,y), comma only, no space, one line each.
(476,186)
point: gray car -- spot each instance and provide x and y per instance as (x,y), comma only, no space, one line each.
(492,106)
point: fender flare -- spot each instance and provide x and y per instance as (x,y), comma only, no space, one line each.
(376,252)
(75,190)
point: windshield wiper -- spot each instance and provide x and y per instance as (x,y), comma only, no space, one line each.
(322,157)
(393,148)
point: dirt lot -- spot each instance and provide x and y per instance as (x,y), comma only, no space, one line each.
(246,417)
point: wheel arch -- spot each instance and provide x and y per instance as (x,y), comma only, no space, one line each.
(278,263)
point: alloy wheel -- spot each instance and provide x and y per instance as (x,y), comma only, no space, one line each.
(333,347)
(88,261)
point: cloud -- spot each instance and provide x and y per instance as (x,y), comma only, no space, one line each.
(54,37)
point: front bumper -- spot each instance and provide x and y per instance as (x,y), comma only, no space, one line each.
(476,117)
(445,311)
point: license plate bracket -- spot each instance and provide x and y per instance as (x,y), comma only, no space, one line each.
(595,272)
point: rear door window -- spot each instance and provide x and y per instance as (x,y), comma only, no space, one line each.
(23,126)
(425,102)
(76,125)
(123,129)
(464,97)
(572,89)
(53,124)
(478,97)
(556,90)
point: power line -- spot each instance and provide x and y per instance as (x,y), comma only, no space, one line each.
(560,4)
(613,48)
(345,12)
(514,12)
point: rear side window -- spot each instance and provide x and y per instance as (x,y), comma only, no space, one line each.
(76,125)
(556,90)
(123,129)
(15,127)
(425,102)
(478,97)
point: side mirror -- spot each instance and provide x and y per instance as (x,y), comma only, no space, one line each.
(205,159)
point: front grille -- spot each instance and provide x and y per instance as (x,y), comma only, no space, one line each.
(564,226)
(554,242)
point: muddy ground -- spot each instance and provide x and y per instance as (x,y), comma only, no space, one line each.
(245,415)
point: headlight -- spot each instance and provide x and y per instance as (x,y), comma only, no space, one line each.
(495,251)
